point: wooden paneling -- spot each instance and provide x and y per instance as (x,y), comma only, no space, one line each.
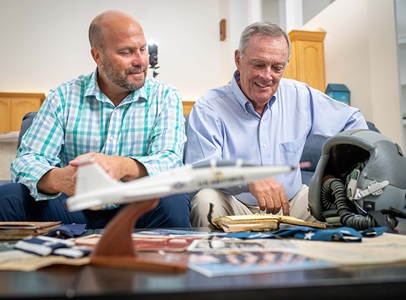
(4,114)
(13,106)
(187,106)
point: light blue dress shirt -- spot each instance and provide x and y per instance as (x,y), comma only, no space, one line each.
(224,125)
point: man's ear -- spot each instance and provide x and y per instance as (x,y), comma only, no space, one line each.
(96,54)
(237,58)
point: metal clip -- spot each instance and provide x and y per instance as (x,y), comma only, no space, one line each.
(352,184)
(374,188)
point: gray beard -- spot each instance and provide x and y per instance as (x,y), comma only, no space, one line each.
(119,80)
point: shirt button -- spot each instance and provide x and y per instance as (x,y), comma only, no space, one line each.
(111,138)
(264,146)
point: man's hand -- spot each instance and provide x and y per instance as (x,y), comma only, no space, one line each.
(58,180)
(62,180)
(118,167)
(271,196)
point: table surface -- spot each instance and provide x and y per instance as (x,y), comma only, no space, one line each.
(64,282)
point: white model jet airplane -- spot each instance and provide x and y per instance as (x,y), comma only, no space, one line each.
(94,187)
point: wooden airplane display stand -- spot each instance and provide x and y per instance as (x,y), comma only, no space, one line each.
(116,246)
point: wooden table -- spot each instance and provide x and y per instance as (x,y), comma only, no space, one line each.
(94,282)
(384,282)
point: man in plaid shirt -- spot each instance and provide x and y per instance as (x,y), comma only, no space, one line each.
(131,125)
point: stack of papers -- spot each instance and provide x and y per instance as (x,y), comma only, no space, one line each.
(20,230)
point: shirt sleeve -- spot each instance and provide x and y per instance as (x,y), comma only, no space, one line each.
(205,141)
(204,132)
(40,146)
(330,117)
(166,145)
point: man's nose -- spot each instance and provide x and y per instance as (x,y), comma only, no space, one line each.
(139,59)
(268,73)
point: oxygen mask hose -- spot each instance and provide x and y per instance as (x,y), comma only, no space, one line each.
(333,196)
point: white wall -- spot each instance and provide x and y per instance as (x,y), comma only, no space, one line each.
(278,11)
(361,52)
(313,7)
(402,63)
(44,42)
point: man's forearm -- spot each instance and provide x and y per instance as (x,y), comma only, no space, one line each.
(132,169)
(55,181)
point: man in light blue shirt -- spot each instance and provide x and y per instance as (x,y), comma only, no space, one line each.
(265,120)
(133,126)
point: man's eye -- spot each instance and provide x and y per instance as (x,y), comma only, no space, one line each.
(125,52)
(259,66)
(278,69)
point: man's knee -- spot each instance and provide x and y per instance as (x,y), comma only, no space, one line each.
(203,204)
(172,211)
(177,209)
(13,190)
(13,198)
(205,197)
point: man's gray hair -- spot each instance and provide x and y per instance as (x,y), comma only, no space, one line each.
(263,28)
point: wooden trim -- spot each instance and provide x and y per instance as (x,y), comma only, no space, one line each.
(187,106)
(39,96)
(303,35)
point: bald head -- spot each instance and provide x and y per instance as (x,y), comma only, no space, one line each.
(119,48)
(110,22)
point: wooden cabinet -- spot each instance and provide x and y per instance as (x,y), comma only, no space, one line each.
(307,58)
(13,107)
(187,106)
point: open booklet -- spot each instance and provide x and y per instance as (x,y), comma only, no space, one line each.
(20,230)
(258,222)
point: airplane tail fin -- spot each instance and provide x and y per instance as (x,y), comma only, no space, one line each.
(91,177)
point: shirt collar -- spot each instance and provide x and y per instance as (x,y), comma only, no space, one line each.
(93,90)
(239,95)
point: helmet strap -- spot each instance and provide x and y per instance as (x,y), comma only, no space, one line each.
(381,218)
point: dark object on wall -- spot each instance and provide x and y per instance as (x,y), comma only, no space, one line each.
(338,92)
(153,57)
(223,31)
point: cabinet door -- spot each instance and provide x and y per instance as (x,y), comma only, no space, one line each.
(311,64)
(19,107)
(307,58)
(291,69)
(4,115)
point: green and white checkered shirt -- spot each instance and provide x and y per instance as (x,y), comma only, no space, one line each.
(77,118)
